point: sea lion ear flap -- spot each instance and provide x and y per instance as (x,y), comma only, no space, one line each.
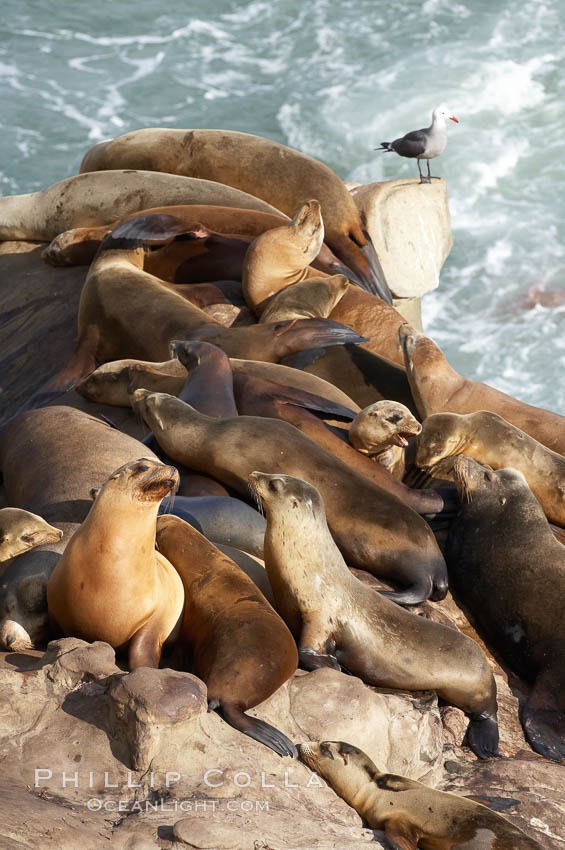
(94,493)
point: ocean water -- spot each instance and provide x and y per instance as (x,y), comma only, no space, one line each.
(333,79)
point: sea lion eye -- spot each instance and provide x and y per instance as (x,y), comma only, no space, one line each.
(143,467)
(396,417)
(325,750)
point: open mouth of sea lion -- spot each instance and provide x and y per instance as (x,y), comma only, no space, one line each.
(401,439)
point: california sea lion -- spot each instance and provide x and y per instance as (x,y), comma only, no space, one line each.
(490,439)
(280,175)
(104,197)
(411,814)
(338,621)
(21,530)
(237,643)
(311,297)
(382,431)
(51,458)
(374,529)
(110,583)
(437,388)
(209,383)
(509,569)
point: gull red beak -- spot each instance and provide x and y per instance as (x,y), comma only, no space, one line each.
(453,118)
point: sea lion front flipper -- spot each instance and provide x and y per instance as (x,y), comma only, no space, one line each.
(542,718)
(315,647)
(482,736)
(145,646)
(415,594)
(312,660)
(258,729)
(401,835)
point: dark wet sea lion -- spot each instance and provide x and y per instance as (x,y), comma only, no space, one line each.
(338,621)
(374,529)
(280,175)
(437,388)
(236,642)
(402,806)
(490,439)
(209,383)
(509,569)
(110,584)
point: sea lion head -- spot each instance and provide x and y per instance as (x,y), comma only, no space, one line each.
(443,435)
(145,481)
(271,492)
(382,424)
(190,352)
(308,228)
(159,411)
(345,767)
(104,385)
(21,530)
(474,479)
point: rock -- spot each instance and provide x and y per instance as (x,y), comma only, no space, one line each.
(145,704)
(69,662)
(207,834)
(409,224)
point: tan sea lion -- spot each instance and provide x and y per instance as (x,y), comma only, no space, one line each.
(437,388)
(338,621)
(509,570)
(104,197)
(312,297)
(236,642)
(374,529)
(412,814)
(490,439)
(79,246)
(110,583)
(264,168)
(21,530)
(381,431)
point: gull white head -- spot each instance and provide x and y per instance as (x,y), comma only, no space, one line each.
(441,113)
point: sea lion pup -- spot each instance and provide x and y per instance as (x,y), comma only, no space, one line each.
(264,168)
(237,643)
(21,530)
(382,431)
(402,806)
(374,529)
(437,388)
(509,569)
(107,196)
(110,583)
(79,245)
(127,312)
(338,621)
(315,296)
(490,439)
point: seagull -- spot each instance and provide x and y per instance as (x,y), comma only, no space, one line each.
(423,144)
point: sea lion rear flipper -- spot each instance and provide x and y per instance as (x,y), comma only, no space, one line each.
(401,835)
(377,284)
(482,736)
(302,359)
(258,729)
(542,718)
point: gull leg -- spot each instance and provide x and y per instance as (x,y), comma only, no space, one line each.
(430,176)
(422,178)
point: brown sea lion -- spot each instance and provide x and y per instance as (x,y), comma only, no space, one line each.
(107,196)
(235,641)
(126,312)
(509,570)
(381,431)
(312,297)
(412,814)
(490,439)
(51,458)
(110,583)
(264,168)
(338,621)
(374,529)
(209,383)
(79,246)
(21,530)
(437,388)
